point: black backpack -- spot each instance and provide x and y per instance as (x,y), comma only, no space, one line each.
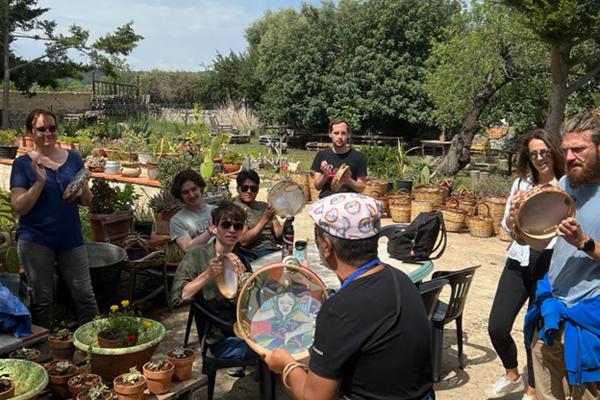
(417,241)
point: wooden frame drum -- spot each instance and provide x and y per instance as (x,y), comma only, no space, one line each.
(228,281)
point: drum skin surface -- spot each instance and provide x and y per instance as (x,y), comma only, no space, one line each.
(228,281)
(286,197)
(277,308)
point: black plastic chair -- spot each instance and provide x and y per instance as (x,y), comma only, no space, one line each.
(210,365)
(430,292)
(459,281)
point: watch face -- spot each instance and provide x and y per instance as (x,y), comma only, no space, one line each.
(589,245)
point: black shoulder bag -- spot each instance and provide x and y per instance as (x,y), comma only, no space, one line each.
(419,240)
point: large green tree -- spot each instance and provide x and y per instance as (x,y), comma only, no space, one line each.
(22,19)
(486,55)
(572,30)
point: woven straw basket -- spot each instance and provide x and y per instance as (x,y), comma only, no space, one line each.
(496,206)
(454,217)
(481,225)
(419,206)
(400,211)
(314,193)
(434,194)
(375,187)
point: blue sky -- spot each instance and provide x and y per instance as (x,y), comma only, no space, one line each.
(178,34)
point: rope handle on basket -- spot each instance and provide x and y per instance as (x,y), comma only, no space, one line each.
(475,212)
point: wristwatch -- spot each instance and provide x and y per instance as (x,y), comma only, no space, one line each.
(588,246)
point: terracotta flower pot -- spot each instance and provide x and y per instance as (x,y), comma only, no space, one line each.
(61,349)
(183,366)
(9,392)
(34,356)
(231,167)
(126,391)
(159,381)
(107,341)
(61,379)
(82,382)
(84,396)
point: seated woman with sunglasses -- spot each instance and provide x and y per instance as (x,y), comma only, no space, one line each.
(262,231)
(540,162)
(49,232)
(195,278)
(189,227)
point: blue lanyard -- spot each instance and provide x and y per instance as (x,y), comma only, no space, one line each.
(361,270)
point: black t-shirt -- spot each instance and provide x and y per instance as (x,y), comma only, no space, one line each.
(374,334)
(352,158)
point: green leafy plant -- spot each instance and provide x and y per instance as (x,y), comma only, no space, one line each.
(169,167)
(179,352)
(173,253)
(63,334)
(25,353)
(122,323)
(142,213)
(156,365)
(97,392)
(233,157)
(62,367)
(163,201)
(132,377)
(126,197)
(8,137)
(104,198)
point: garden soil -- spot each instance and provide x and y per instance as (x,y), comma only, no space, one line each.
(482,368)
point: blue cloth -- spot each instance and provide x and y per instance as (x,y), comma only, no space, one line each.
(52,221)
(230,348)
(581,331)
(573,274)
(13,314)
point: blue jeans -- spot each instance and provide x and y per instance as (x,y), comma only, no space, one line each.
(230,348)
(39,262)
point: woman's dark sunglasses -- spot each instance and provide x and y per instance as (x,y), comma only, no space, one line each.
(43,129)
(238,226)
(252,188)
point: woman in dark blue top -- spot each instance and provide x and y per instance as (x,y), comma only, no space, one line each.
(49,232)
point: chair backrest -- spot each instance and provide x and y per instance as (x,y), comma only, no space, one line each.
(459,281)
(205,320)
(430,291)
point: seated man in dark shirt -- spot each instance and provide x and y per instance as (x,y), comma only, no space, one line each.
(372,338)
(195,278)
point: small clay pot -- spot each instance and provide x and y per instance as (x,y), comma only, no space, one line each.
(106,341)
(84,396)
(61,349)
(35,355)
(82,382)
(61,379)
(8,393)
(159,381)
(127,391)
(183,366)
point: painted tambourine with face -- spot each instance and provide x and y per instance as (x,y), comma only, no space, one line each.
(536,214)
(277,308)
(228,282)
(75,187)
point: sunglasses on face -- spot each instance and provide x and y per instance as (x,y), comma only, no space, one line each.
(533,155)
(237,226)
(252,188)
(42,129)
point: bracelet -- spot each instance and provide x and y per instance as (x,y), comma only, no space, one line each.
(288,369)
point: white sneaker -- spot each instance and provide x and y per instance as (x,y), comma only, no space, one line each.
(504,387)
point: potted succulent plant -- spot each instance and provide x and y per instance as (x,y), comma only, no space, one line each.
(61,344)
(165,206)
(60,371)
(158,375)
(96,392)
(232,161)
(111,211)
(130,385)
(136,246)
(183,360)
(26,354)
(8,146)
(7,387)
(143,220)
(82,382)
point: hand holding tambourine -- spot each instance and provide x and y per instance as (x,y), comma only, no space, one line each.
(341,177)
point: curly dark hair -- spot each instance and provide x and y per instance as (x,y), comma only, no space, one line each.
(34,114)
(247,174)
(228,209)
(183,177)
(525,167)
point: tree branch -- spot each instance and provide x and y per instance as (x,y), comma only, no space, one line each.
(594,56)
(47,55)
(583,80)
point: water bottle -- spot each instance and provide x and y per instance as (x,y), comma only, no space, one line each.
(300,250)
(288,237)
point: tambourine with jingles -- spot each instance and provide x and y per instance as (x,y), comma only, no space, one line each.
(286,197)
(536,214)
(76,184)
(277,308)
(228,282)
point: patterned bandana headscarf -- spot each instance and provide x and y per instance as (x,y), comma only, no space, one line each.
(347,215)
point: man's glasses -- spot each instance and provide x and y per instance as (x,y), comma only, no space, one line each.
(238,226)
(575,150)
(42,129)
(252,188)
(533,155)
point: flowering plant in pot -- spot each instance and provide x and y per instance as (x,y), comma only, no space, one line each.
(183,360)
(121,327)
(158,375)
(60,371)
(111,210)
(130,385)
(7,387)
(61,344)
(96,392)
(82,382)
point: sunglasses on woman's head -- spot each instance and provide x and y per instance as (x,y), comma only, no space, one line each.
(238,226)
(43,129)
(252,188)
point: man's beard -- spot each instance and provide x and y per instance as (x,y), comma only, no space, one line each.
(590,172)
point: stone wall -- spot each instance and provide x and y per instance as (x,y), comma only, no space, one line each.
(58,102)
